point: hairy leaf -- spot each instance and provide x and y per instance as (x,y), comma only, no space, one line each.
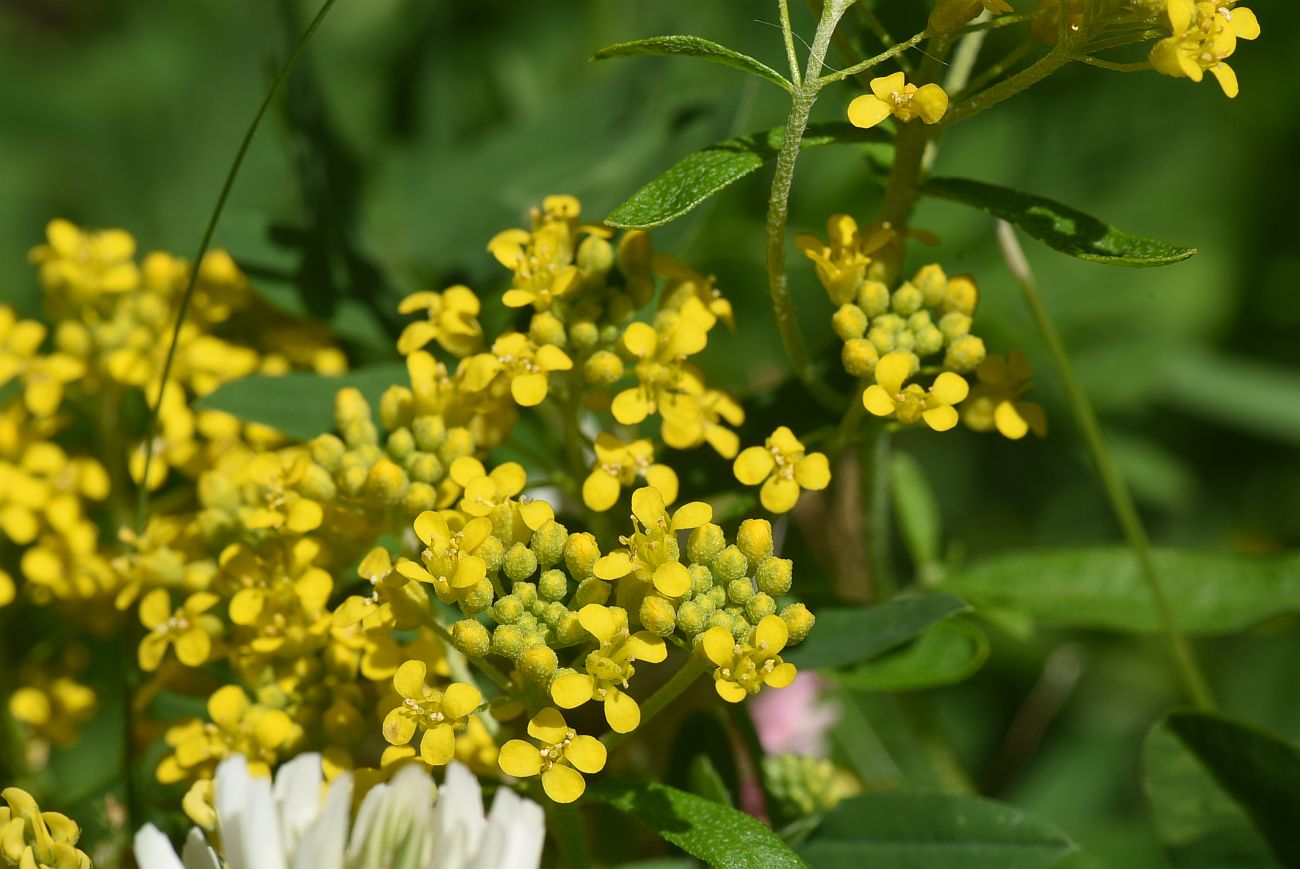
(694,46)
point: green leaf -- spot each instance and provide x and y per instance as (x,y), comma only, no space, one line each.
(946,654)
(694,46)
(1201,826)
(848,636)
(1210,593)
(1245,395)
(719,835)
(699,175)
(917,830)
(1059,226)
(1260,771)
(706,781)
(301,404)
(917,509)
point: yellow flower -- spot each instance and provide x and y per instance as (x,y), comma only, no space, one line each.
(1204,34)
(652,552)
(888,397)
(189,628)
(394,601)
(273,477)
(784,469)
(744,668)
(55,708)
(699,415)
(995,400)
(841,262)
(440,714)
(43,377)
(516,360)
(237,727)
(659,351)
(541,294)
(86,264)
(618,465)
(609,668)
(561,758)
(485,492)
(891,95)
(7,589)
(447,562)
(32,839)
(452,321)
(685,283)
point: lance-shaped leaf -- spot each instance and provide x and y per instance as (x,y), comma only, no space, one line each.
(1059,226)
(851,635)
(946,654)
(694,46)
(701,174)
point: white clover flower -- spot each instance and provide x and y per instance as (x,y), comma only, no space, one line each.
(406,823)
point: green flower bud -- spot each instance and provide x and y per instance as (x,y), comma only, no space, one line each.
(350,407)
(907,300)
(418,498)
(954,325)
(553,585)
(740,590)
(368,454)
(774,576)
(580,553)
(602,368)
(658,616)
(798,621)
(730,564)
(472,638)
(528,623)
(478,599)
(358,433)
(873,298)
(620,309)
(584,335)
(395,407)
(507,641)
(493,553)
(704,544)
(554,613)
(425,467)
(429,432)
(548,542)
(526,592)
(400,443)
(595,255)
(859,357)
(569,629)
(849,322)
(507,610)
(691,618)
(537,664)
(904,340)
(720,620)
(929,340)
(353,479)
(932,283)
(701,580)
(610,332)
(919,321)
(961,295)
(964,354)
(591,590)
(327,451)
(717,596)
(802,785)
(755,539)
(759,607)
(459,442)
(520,563)
(546,328)
(317,484)
(884,340)
(386,482)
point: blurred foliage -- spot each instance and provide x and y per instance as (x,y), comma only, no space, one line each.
(414,130)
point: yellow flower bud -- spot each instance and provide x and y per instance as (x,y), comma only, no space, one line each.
(327,451)
(933,284)
(595,255)
(478,599)
(954,325)
(755,539)
(350,406)
(964,354)
(507,641)
(386,482)
(538,664)
(704,543)
(849,322)
(471,638)
(569,629)
(907,300)
(859,357)
(553,585)
(603,368)
(400,443)
(546,328)
(759,607)
(317,484)
(658,616)
(798,621)
(395,407)
(730,564)
(961,295)
(425,467)
(580,554)
(873,298)
(429,431)
(419,497)
(740,590)
(526,592)
(928,340)
(520,563)
(548,542)
(774,576)
(507,610)
(584,335)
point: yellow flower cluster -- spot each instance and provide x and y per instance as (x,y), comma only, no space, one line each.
(32,839)
(1204,35)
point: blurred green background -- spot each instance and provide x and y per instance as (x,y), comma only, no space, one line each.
(412,131)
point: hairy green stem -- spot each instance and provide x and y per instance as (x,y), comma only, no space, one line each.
(877,27)
(870,62)
(787,34)
(1117,493)
(186,297)
(656,702)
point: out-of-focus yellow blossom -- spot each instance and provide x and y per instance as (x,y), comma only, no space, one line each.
(238,726)
(783,468)
(518,363)
(659,351)
(618,465)
(609,668)
(43,376)
(451,320)
(56,708)
(86,264)
(561,756)
(1204,35)
(743,668)
(274,478)
(893,95)
(393,602)
(684,283)
(699,415)
(652,554)
(190,629)
(842,261)
(32,839)
(913,403)
(8,590)
(994,401)
(441,714)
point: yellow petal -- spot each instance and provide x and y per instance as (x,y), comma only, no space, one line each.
(519,759)
(460,699)
(1222,72)
(529,390)
(886,86)
(415,336)
(950,388)
(571,690)
(193,647)
(813,472)
(156,608)
(1009,422)
(470,571)
(630,406)
(600,490)
(512,299)
(892,371)
(931,103)
(227,705)
(409,680)
(598,620)
(645,646)
(720,647)
(940,418)
(587,753)
(548,726)
(770,636)
(640,339)
(552,358)
(692,515)
(563,784)
(438,745)
(753,465)
(648,505)
(729,691)
(151,651)
(779,495)
(664,479)
(431,527)
(781,676)
(399,726)
(616,565)
(672,579)
(1244,23)
(621,712)
(867,111)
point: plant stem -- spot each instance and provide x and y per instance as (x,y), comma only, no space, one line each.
(143,499)
(667,693)
(1117,493)
(867,64)
(501,680)
(788,35)
(877,27)
(787,320)
(565,826)
(874,476)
